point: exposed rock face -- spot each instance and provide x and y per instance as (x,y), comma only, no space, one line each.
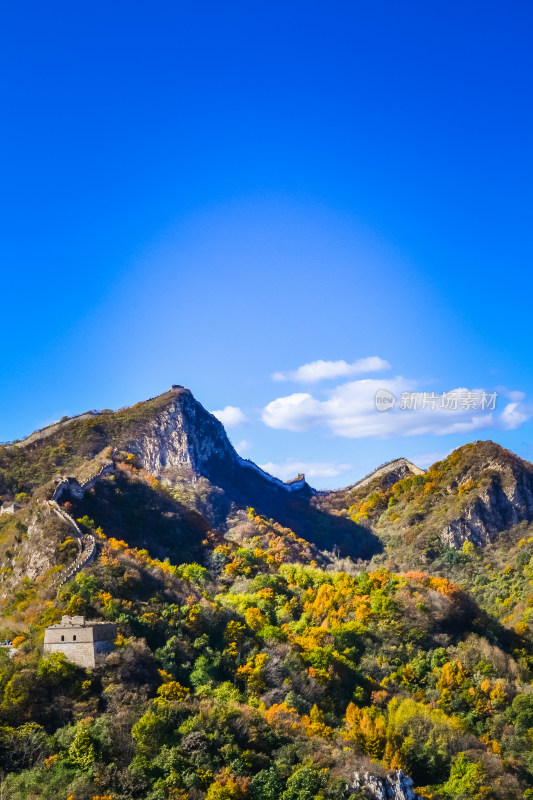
(505,499)
(184,437)
(184,434)
(395,786)
(34,554)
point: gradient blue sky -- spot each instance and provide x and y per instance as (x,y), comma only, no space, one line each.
(210,193)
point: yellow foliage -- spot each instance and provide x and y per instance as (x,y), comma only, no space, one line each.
(362,612)
(498,695)
(252,672)
(452,675)
(234,635)
(228,787)
(443,586)
(366,726)
(117,544)
(266,594)
(521,628)
(254,618)
(393,758)
(468,548)
(315,724)
(171,691)
(76,605)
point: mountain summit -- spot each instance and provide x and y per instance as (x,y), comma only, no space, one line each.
(182,436)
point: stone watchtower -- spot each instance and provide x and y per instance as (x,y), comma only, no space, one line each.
(82,642)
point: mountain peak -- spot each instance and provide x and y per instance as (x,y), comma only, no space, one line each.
(181,433)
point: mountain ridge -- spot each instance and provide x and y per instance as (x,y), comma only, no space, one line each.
(270,639)
(474,494)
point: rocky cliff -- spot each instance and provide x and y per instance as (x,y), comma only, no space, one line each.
(476,493)
(185,438)
(502,489)
(395,786)
(182,434)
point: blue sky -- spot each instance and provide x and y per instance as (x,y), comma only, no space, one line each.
(210,194)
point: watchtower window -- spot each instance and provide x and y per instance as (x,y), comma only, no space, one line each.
(62,638)
(74,638)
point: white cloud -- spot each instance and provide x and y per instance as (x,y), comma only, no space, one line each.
(326,370)
(230,416)
(311,469)
(514,415)
(349,411)
(243,446)
(296,412)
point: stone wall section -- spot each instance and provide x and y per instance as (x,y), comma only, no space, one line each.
(87,543)
(83,643)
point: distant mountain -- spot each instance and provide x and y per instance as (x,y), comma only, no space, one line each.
(381,479)
(184,440)
(476,493)
(172,432)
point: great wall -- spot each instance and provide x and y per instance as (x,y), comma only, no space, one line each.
(49,430)
(73,487)
(87,543)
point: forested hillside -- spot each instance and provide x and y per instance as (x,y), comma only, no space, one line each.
(263,655)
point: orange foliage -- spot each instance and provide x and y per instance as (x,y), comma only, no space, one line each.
(284,718)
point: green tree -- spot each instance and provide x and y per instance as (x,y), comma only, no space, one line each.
(82,751)
(465,781)
(55,670)
(266,785)
(304,784)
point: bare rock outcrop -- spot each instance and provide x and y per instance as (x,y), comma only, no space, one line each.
(184,437)
(504,499)
(395,786)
